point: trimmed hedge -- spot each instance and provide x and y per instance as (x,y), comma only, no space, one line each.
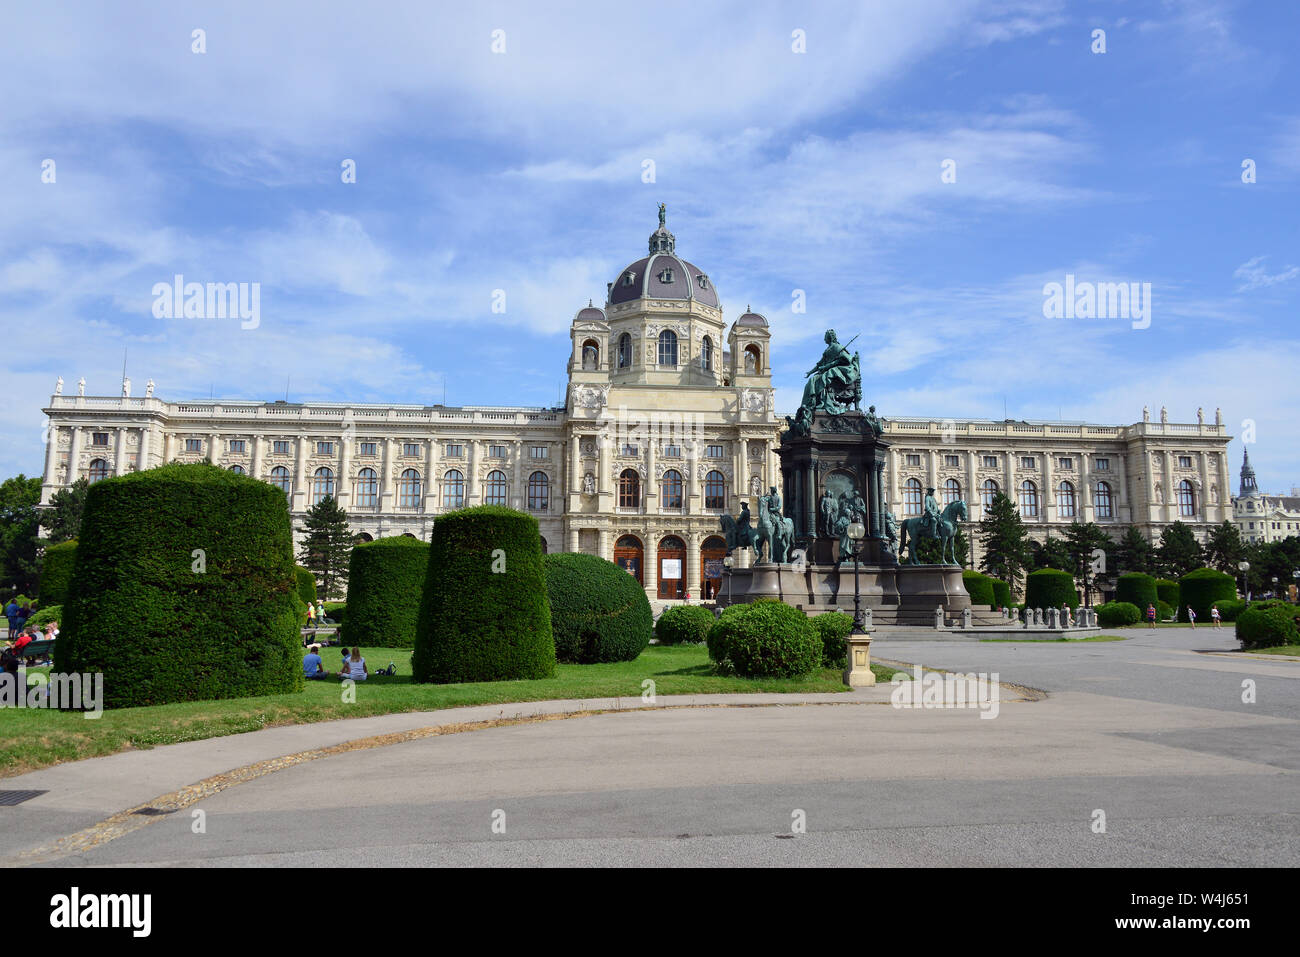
(1137,588)
(765,640)
(485,614)
(1167,591)
(56,572)
(683,623)
(598,611)
(1117,614)
(1050,588)
(979,587)
(1229,610)
(385,581)
(335,610)
(306,582)
(48,613)
(834,627)
(1165,611)
(1201,589)
(164,621)
(1001,593)
(1265,626)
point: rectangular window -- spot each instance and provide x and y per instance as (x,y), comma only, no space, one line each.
(367,448)
(496,451)
(410,449)
(1026,461)
(324,448)
(673,451)
(280,447)
(1103,465)
(237,445)
(455,451)
(99,438)
(952,461)
(990,461)
(914,460)
(1065,462)
(538,452)
(714,452)
(193,445)
(631,450)
(1184,461)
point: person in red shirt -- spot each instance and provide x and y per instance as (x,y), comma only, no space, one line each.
(1151,616)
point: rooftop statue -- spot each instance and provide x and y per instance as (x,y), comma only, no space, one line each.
(835,383)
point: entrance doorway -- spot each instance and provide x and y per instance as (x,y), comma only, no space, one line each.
(627,556)
(672,567)
(712,552)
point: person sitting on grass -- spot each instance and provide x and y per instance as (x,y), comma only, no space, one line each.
(354,666)
(313,669)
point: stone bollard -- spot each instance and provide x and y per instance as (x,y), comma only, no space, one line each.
(866,619)
(965,617)
(1024,618)
(1051,618)
(1036,621)
(938,617)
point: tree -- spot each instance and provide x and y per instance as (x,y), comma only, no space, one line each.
(1050,553)
(63,517)
(1004,540)
(929,551)
(1082,539)
(19,524)
(1179,551)
(328,546)
(1132,554)
(1224,548)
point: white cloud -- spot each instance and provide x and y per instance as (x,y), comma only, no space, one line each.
(1253,275)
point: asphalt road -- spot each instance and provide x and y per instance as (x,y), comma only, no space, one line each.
(1147,734)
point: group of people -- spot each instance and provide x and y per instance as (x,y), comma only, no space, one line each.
(1215,616)
(315,614)
(354,666)
(13,652)
(17,614)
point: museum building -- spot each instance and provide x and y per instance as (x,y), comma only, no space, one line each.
(669,422)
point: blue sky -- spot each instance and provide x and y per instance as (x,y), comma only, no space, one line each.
(818,171)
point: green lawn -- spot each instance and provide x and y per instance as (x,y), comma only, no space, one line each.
(31,739)
(1289,650)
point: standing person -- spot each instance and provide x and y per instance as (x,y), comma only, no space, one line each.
(320,612)
(11,613)
(1151,616)
(1214,616)
(24,612)
(1191,616)
(311,615)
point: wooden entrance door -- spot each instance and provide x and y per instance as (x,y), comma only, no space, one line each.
(672,567)
(628,554)
(712,552)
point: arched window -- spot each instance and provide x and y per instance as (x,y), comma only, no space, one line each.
(629,489)
(987,491)
(753,360)
(495,490)
(1186,498)
(408,489)
(951,491)
(365,537)
(238,469)
(453,489)
(544,545)
(671,489)
(912,497)
(590,354)
(1102,500)
(715,490)
(280,479)
(625,351)
(1028,499)
(1065,500)
(668,348)
(539,492)
(98,470)
(322,484)
(366,489)
(706,354)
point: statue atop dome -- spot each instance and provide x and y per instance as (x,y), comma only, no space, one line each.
(663,216)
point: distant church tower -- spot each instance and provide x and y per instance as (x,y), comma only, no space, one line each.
(1248,486)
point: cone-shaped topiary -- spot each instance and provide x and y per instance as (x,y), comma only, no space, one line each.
(56,572)
(598,611)
(306,583)
(1201,588)
(979,587)
(385,584)
(183,589)
(1167,591)
(1001,593)
(1137,588)
(485,614)
(1050,588)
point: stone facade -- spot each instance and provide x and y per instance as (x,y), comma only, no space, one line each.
(1260,517)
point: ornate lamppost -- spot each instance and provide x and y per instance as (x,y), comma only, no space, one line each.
(858,674)
(727,562)
(856,533)
(1244,567)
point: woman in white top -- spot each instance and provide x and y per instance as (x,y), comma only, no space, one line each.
(356,666)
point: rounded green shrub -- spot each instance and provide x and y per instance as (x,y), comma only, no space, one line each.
(385,580)
(306,581)
(598,611)
(979,587)
(1137,588)
(1230,608)
(1050,588)
(1165,611)
(484,615)
(1266,627)
(1167,592)
(335,610)
(766,640)
(56,572)
(833,627)
(183,588)
(683,623)
(1201,589)
(1001,593)
(1118,614)
(47,614)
